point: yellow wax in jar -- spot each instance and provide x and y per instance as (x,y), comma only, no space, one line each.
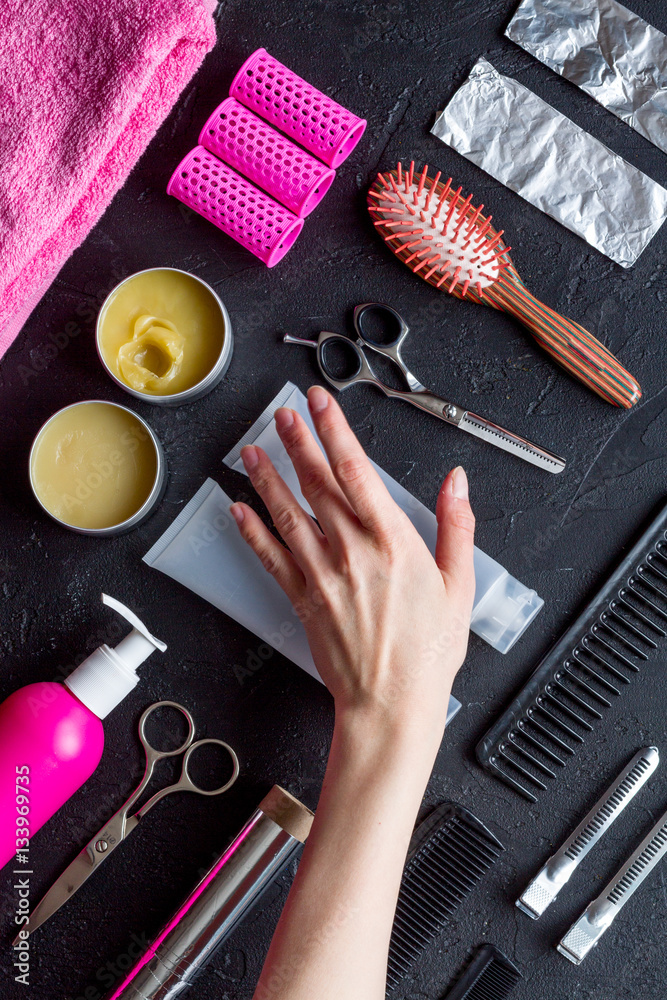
(161,332)
(93,465)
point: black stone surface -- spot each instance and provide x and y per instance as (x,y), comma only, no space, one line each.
(396,64)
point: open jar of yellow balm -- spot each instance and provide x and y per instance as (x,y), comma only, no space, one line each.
(97,468)
(164,336)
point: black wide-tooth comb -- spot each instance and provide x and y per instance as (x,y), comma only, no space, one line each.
(489,976)
(449,853)
(621,630)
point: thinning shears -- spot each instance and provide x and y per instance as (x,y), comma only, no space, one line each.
(416,393)
(121,824)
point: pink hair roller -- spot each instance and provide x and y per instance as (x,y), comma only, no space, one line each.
(305,114)
(216,192)
(284,170)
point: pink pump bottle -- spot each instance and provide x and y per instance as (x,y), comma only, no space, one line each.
(51,736)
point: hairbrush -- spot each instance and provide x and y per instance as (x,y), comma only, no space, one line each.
(446,241)
(489,976)
(449,853)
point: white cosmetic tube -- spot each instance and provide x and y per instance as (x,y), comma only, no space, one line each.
(204,551)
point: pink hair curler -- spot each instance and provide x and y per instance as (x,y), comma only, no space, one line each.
(216,192)
(307,115)
(284,170)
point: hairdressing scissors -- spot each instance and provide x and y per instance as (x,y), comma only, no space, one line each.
(416,393)
(121,824)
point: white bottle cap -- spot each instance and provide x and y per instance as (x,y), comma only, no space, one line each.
(107,675)
(504,607)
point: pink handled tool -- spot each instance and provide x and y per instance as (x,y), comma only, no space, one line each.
(215,191)
(299,110)
(284,170)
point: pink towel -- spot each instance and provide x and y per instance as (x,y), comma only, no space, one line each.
(84,85)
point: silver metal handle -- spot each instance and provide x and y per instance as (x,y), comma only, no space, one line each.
(548,882)
(212,911)
(598,915)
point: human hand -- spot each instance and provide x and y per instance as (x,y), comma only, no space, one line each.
(387,623)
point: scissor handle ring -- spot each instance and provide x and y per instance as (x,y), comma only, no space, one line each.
(363,310)
(148,747)
(187,784)
(362,371)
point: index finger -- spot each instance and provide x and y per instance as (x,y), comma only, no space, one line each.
(360,483)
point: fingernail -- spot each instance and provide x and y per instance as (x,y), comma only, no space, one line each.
(250,457)
(237,513)
(318,399)
(284,419)
(459,483)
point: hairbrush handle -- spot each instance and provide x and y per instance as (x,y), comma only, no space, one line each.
(568,343)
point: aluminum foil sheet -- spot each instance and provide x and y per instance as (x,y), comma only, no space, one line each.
(605,49)
(559,168)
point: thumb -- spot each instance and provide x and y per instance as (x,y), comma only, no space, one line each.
(455,541)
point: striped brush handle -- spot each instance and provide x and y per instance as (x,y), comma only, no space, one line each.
(573,347)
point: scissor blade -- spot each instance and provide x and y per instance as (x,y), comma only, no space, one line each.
(529,452)
(81,869)
(65,886)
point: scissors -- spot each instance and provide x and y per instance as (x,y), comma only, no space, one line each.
(122,824)
(416,393)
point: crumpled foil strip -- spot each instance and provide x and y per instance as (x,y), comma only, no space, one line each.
(605,49)
(522,141)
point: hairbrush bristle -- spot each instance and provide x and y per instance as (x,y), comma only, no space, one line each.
(437,232)
(451,245)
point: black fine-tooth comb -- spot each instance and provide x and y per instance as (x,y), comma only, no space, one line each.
(619,630)
(489,976)
(449,853)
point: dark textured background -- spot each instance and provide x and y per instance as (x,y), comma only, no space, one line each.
(396,64)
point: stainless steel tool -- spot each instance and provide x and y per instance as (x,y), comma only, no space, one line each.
(598,915)
(548,882)
(121,824)
(269,840)
(416,393)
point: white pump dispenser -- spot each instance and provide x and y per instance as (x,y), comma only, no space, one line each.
(108,675)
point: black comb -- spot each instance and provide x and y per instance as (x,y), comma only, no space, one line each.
(489,976)
(621,628)
(449,853)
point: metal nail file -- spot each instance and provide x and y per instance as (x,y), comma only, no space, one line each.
(597,917)
(548,882)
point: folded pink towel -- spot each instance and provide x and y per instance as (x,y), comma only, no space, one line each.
(84,85)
